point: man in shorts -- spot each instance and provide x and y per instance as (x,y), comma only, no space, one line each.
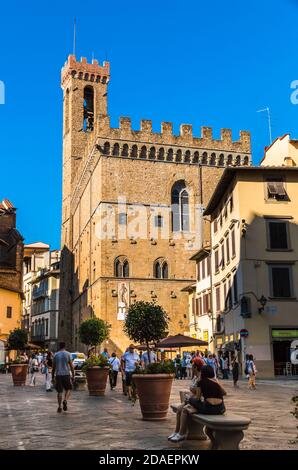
(130,360)
(62,367)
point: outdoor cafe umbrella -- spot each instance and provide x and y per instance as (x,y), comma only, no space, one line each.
(180,341)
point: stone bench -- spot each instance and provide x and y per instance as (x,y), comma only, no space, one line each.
(224,431)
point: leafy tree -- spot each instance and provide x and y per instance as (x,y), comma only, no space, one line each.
(18,339)
(146,322)
(93,331)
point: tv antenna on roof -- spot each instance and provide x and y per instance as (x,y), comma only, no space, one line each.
(267,110)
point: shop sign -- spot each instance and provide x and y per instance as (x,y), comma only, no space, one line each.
(284,333)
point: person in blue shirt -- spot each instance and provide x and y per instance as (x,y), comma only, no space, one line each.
(130,360)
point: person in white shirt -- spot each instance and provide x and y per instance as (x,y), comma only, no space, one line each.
(144,358)
(130,361)
(33,369)
(115,366)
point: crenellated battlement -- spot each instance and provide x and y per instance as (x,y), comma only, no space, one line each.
(93,71)
(167,137)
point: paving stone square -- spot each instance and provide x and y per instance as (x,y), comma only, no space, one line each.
(29,419)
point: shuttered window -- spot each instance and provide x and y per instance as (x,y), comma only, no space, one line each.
(228,248)
(233,243)
(281,281)
(218,299)
(216,261)
(278,235)
(276,189)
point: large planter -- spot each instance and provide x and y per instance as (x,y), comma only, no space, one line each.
(154,392)
(19,374)
(97,380)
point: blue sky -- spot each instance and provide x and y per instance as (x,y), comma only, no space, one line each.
(206,63)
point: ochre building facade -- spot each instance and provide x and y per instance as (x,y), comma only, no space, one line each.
(132,207)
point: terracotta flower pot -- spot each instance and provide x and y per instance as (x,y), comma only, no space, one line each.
(154,392)
(97,380)
(19,374)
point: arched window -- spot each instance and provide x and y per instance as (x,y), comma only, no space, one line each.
(116,150)
(88,120)
(161,154)
(121,267)
(143,153)
(160,269)
(178,156)
(180,207)
(134,151)
(106,148)
(187,156)
(195,157)
(245,161)
(152,153)
(165,270)
(124,150)
(221,160)
(125,268)
(230,160)
(238,160)
(213,159)
(170,155)
(204,158)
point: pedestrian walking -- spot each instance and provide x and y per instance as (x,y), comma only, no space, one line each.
(235,371)
(188,367)
(177,363)
(130,360)
(145,359)
(48,365)
(251,371)
(226,368)
(33,369)
(183,368)
(211,362)
(105,353)
(62,368)
(115,366)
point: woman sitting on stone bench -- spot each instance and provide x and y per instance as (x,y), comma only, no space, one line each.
(208,388)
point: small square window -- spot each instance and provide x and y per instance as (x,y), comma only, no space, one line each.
(8,312)
(158,221)
(122,218)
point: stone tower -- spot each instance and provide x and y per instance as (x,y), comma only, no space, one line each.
(113,177)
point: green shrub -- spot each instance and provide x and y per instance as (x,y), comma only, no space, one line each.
(96,361)
(93,331)
(18,339)
(166,367)
(146,322)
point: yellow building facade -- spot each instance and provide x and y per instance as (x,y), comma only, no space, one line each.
(254,257)
(11,267)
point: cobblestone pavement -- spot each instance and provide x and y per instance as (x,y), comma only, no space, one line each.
(29,419)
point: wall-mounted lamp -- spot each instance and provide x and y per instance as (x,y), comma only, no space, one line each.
(263,302)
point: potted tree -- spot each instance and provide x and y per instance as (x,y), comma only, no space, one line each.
(147,322)
(93,332)
(17,340)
